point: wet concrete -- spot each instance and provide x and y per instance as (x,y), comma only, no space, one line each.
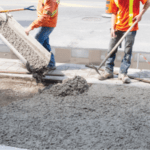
(106,117)
(75,86)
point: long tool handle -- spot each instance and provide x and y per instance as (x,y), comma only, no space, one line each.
(5,11)
(110,53)
(32,8)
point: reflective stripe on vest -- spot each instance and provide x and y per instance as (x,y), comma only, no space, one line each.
(130,12)
(44,1)
(118,17)
(54,12)
(48,12)
(116,2)
(57,1)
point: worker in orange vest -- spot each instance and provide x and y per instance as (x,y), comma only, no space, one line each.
(47,11)
(124,13)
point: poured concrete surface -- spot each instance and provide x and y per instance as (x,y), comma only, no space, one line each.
(106,117)
(110,115)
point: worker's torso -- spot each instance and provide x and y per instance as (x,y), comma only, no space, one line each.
(127,10)
(49,10)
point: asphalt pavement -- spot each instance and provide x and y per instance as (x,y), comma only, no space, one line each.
(80,24)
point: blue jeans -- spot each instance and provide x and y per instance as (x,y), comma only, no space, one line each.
(42,37)
(126,62)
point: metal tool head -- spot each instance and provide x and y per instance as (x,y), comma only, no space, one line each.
(32,8)
(93,67)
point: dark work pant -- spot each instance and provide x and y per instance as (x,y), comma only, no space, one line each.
(126,61)
(42,36)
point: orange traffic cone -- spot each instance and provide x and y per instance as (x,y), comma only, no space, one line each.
(108,14)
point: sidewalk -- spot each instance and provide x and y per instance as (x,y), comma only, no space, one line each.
(14,69)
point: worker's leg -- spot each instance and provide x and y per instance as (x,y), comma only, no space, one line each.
(48,47)
(110,61)
(42,37)
(126,62)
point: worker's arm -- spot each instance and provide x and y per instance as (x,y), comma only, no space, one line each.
(114,10)
(146,6)
(113,20)
(37,23)
(42,18)
(28,30)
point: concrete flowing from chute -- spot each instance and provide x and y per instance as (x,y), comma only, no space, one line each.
(23,48)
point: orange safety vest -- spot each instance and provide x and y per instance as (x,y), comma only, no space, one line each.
(126,10)
(47,12)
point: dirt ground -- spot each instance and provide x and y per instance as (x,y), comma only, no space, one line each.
(106,117)
(12,90)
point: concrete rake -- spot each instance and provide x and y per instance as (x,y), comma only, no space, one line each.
(111,52)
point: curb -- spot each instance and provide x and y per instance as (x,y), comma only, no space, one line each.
(88,56)
(96,56)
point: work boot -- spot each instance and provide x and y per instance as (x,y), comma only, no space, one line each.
(105,75)
(124,78)
(51,67)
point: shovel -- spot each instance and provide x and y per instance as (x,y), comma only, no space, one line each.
(114,48)
(32,8)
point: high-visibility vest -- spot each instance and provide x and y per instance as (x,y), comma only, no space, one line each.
(44,1)
(57,1)
(51,13)
(130,11)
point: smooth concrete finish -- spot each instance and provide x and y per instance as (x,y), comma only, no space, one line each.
(9,148)
(80,53)
(12,66)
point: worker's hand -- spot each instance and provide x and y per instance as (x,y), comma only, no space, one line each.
(27,30)
(137,18)
(113,35)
